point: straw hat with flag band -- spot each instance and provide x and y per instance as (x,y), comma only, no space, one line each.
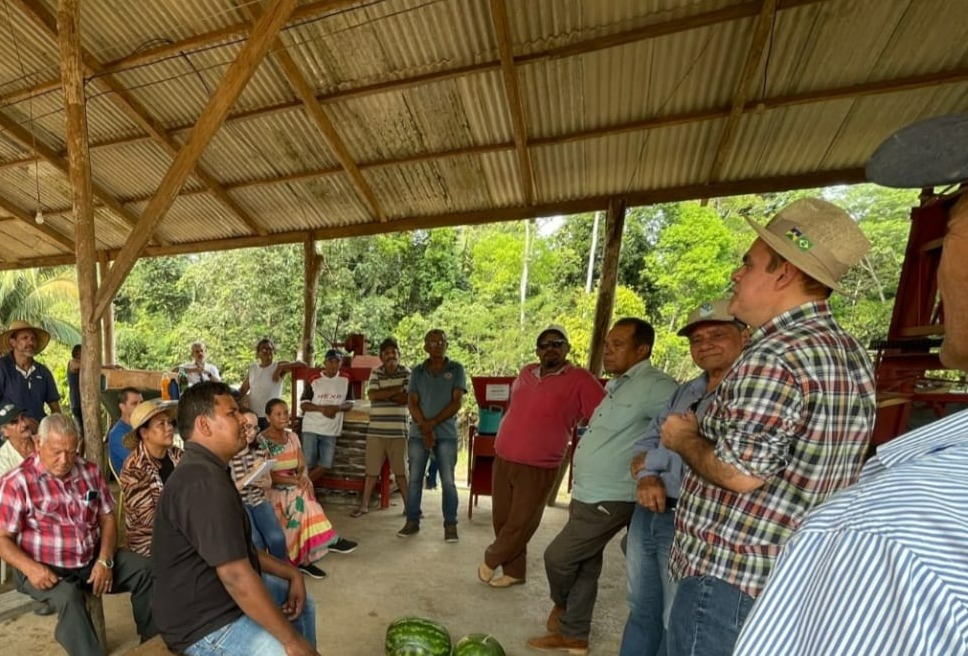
(143,413)
(43,337)
(816,237)
(710,312)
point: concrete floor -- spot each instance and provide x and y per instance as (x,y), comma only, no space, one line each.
(389,576)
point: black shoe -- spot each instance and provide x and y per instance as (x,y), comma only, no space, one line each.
(343,546)
(450,533)
(44,609)
(410,528)
(313,571)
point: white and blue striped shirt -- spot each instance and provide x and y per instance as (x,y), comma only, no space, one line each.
(882,567)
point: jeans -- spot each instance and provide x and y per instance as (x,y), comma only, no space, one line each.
(432,474)
(650,590)
(244,636)
(319,450)
(266,531)
(707,615)
(446,453)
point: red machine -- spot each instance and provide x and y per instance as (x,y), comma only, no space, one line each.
(492,394)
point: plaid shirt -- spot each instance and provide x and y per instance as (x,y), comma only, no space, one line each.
(55,520)
(797,411)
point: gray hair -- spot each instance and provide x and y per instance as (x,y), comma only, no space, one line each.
(194,344)
(63,425)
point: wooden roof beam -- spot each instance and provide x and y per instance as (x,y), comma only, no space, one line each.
(216,109)
(49,233)
(515,104)
(322,120)
(750,73)
(138,113)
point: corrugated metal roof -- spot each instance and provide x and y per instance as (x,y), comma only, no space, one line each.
(624,114)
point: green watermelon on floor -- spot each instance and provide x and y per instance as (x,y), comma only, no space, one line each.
(417,636)
(478,644)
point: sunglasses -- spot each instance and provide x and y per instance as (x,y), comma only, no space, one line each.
(554,343)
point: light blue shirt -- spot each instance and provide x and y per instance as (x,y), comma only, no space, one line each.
(663,462)
(881,567)
(602,458)
(435,392)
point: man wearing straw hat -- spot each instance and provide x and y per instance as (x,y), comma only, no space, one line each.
(789,425)
(23,381)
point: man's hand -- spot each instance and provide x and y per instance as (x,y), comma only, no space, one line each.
(296,598)
(41,577)
(330,410)
(299,647)
(100,579)
(677,430)
(638,464)
(650,492)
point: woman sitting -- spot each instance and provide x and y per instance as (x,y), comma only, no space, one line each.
(309,535)
(266,532)
(143,475)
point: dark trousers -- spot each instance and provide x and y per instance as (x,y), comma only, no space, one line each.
(74,631)
(573,560)
(518,500)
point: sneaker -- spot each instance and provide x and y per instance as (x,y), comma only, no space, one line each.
(313,571)
(450,533)
(343,546)
(410,528)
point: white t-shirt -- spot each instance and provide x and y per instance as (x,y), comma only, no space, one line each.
(210,372)
(325,391)
(9,457)
(262,388)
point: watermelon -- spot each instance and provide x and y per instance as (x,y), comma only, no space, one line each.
(478,644)
(416,636)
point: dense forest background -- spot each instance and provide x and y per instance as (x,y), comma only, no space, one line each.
(491,287)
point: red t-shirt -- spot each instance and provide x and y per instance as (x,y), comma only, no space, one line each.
(543,414)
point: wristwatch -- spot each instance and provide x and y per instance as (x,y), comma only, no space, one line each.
(106,562)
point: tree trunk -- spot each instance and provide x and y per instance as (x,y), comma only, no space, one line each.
(591,254)
(524,270)
(312,262)
(606,283)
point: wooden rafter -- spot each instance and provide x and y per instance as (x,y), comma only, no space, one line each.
(515,104)
(325,125)
(123,99)
(46,231)
(477,217)
(216,109)
(750,72)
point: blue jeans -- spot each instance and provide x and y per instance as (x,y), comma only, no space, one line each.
(318,450)
(244,636)
(650,590)
(266,531)
(706,617)
(446,453)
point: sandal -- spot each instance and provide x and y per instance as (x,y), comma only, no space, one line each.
(359,512)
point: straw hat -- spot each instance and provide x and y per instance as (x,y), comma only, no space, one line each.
(712,312)
(43,337)
(928,153)
(143,413)
(816,237)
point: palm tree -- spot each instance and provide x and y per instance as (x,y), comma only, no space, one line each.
(41,297)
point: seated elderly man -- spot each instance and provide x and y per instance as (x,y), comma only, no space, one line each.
(57,528)
(17,437)
(152,460)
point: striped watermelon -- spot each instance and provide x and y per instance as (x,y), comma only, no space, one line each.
(478,644)
(416,636)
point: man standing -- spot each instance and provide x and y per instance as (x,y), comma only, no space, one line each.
(548,400)
(386,436)
(323,403)
(789,425)
(603,498)
(17,442)
(23,381)
(437,386)
(128,400)
(715,341)
(214,593)
(198,370)
(882,568)
(57,528)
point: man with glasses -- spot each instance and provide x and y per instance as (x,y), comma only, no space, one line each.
(548,399)
(436,388)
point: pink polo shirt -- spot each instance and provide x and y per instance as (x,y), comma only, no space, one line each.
(543,414)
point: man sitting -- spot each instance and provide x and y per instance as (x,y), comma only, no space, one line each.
(17,437)
(214,593)
(128,400)
(57,528)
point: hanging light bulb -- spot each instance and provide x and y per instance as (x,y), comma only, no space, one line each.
(39,217)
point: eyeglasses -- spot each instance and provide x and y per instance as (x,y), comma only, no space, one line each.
(554,343)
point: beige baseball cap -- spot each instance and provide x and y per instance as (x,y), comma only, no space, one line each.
(709,312)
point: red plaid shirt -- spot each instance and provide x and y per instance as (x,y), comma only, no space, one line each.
(55,520)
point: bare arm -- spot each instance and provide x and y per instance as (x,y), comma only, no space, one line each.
(101,577)
(39,575)
(244,387)
(450,409)
(681,434)
(55,408)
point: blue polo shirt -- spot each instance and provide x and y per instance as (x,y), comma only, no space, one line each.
(435,392)
(116,449)
(30,392)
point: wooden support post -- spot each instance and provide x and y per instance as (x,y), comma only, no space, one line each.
(614,224)
(312,262)
(69,39)
(107,322)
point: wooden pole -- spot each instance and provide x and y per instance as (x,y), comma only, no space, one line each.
(107,322)
(69,39)
(312,263)
(614,224)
